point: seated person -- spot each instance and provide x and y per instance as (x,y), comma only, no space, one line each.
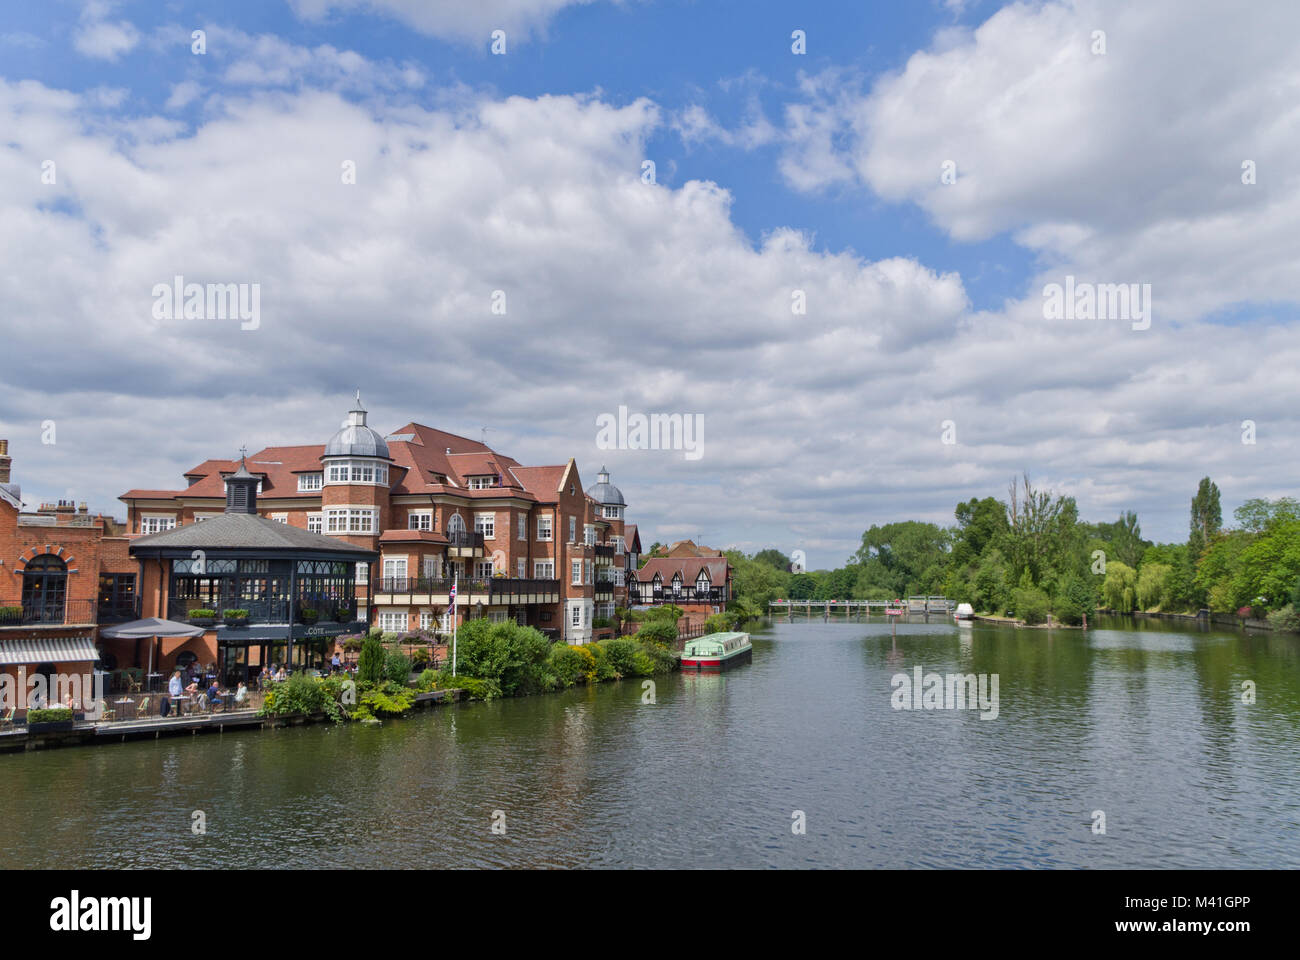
(241,694)
(214,693)
(280,674)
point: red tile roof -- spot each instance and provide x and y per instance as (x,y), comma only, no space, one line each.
(689,567)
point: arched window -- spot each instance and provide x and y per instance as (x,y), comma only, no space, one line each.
(455,524)
(702,582)
(45,587)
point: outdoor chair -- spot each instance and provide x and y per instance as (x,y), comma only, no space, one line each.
(7,720)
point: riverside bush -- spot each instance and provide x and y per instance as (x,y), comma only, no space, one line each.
(620,652)
(514,657)
(397,666)
(370,666)
(1030,604)
(1287,618)
(658,631)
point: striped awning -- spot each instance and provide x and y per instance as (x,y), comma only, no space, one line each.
(37,650)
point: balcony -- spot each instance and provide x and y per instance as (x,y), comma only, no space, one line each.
(461,543)
(48,613)
(268,611)
(645,594)
(435,590)
(604,553)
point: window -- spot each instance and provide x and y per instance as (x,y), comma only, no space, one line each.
(544,528)
(576,571)
(157,524)
(618,576)
(280,517)
(677,583)
(523,527)
(357,471)
(419,520)
(455,524)
(482,483)
(486,524)
(426,619)
(521,568)
(612,513)
(588,563)
(200,517)
(702,582)
(544,569)
(393,621)
(589,535)
(394,569)
(483,569)
(363,573)
(573,529)
(497,616)
(575,615)
(350,520)
(618,546)
(308,482)
(315,523)
(433,568)
(45,586)
(116,596)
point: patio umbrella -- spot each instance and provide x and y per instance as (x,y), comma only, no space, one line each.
(153,628)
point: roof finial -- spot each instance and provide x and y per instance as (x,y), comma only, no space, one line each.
(243,453)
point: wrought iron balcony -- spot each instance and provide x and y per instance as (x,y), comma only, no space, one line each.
(15,613)
(645,594)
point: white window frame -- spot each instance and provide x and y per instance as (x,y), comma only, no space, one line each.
(419,520)
(346,520)
(486,524)
(280,517)
(575,616)
(426,619)
(522,526)
(157,522)
(387,619)
(484,569)
(588,565)
(363,573)
(589,534)
(521,568)
(315,523)
(311,482)
(545,532)
(543,569)
(573,530)
(395,568)
(365,472)
(575,573)
(482,482)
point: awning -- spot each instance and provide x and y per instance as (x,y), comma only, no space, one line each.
(48,650)
(150,627)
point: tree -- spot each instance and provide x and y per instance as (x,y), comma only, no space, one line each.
(1207,515)
(1120,587)
(803,586)
(902,558)
(370,665)
(1258,514)
(1151,585)
(773,558)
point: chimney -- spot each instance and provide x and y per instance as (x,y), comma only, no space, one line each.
(4,461)
(83,509)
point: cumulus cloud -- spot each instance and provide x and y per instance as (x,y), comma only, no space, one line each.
(100,38)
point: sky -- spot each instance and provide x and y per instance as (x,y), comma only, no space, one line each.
(824,232)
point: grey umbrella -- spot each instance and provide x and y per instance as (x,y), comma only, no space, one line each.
(152,627)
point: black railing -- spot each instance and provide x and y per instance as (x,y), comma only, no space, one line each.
(508,585)
(466,587)
(18,614)
(120,611)
(604,551)
(646,594)
(464,538)
(266,611)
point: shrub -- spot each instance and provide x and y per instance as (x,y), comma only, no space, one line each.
(657,631)
(620,652)
(599,622)
(473,687)
(1287,618)
(304,694)
(235,613)
(717,623)
(49,715)
(570,664)
(1030,604)
(370,667)
(198,613)
(421,656)
(668,611)
(428,681)
(1074,601)
(514,657)
(397,667)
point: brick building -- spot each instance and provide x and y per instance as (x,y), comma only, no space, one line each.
(695,578)
(521,542)
(63,572)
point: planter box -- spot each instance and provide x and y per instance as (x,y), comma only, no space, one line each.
(203,621)
(51,726)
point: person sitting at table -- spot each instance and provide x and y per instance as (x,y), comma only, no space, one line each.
(214,693)
(192,688)
(175,686)
(241,694)
(280,674)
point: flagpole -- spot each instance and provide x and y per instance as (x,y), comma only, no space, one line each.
(455,601)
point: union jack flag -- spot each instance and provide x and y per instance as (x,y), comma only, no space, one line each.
(452,597)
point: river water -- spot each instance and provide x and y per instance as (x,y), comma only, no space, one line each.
(1142,721)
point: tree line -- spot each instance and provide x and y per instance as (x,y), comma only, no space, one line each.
(1030,555)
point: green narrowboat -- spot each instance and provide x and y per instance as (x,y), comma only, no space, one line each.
(717,651)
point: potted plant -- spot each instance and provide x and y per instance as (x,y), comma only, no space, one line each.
(202,617)
(235,617)
(308,615)
(49,720)
(11,614)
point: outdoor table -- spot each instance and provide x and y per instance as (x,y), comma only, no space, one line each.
(124,709)
(155,682)
(179,703)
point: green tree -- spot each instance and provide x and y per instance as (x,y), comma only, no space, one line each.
(1120,586)
(370,665)
(773,558)
(1207,516)
(1151,591)
(803,586)
(903,558)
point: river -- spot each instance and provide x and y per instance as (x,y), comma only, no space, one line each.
(1143,721)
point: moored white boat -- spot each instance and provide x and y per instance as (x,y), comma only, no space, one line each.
(965,612)
(717,651)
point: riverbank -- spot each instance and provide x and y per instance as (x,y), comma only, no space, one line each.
(98,733)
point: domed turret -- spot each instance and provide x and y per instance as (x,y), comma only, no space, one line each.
(355,439)
(604,492)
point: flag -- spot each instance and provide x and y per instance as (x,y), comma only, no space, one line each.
(452,597)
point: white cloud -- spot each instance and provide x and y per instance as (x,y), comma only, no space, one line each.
(102,39)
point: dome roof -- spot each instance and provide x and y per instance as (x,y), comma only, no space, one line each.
(355,439)
(605,492)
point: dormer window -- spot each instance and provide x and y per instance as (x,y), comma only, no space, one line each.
(308,482)
(482,482)
(702,581)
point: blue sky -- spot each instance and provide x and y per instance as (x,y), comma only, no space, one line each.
(521,171)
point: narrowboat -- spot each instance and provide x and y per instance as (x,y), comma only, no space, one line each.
(717,651)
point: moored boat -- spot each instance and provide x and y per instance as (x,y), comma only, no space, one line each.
(965,612)
(717,651)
